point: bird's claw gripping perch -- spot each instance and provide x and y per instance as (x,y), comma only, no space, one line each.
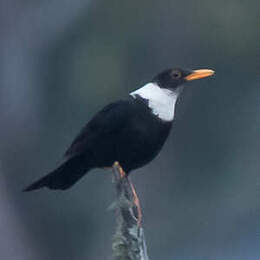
(118,169)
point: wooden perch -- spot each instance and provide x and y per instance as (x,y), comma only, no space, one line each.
(129,242)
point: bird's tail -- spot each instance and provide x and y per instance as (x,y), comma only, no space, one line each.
(63,177)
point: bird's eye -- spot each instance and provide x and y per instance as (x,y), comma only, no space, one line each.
(176,74)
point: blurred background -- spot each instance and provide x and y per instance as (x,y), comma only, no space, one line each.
(61,61)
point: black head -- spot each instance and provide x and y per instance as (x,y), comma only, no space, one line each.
(175,78)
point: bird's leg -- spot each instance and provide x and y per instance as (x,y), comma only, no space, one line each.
(132,191)
(137,204)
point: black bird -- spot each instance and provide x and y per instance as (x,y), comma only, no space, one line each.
(130,131)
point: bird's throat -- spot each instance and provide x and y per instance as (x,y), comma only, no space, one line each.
(161,101)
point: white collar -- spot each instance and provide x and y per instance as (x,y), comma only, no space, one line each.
(161,100)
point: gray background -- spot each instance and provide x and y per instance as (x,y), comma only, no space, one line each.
(61,61)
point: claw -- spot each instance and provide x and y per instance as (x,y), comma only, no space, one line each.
(121,171)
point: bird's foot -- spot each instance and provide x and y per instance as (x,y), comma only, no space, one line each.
(121,171)
(137,212)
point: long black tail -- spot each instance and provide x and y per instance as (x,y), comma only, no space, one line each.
(62,177)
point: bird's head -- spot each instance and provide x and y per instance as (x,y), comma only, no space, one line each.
(174,79)
(162,92)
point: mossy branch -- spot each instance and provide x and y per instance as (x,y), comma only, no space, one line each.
(129,241)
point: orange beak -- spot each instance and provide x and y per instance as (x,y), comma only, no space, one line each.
(199,74)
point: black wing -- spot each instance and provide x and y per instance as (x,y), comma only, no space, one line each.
(110,119)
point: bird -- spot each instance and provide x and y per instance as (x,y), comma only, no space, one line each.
(131,131)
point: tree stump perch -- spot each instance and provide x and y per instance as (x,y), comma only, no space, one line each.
(129,241)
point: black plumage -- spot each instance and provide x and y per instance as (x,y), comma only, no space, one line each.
(127,131)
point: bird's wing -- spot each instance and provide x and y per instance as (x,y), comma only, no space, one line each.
(110,119)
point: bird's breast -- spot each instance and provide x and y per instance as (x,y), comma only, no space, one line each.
(141,141)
